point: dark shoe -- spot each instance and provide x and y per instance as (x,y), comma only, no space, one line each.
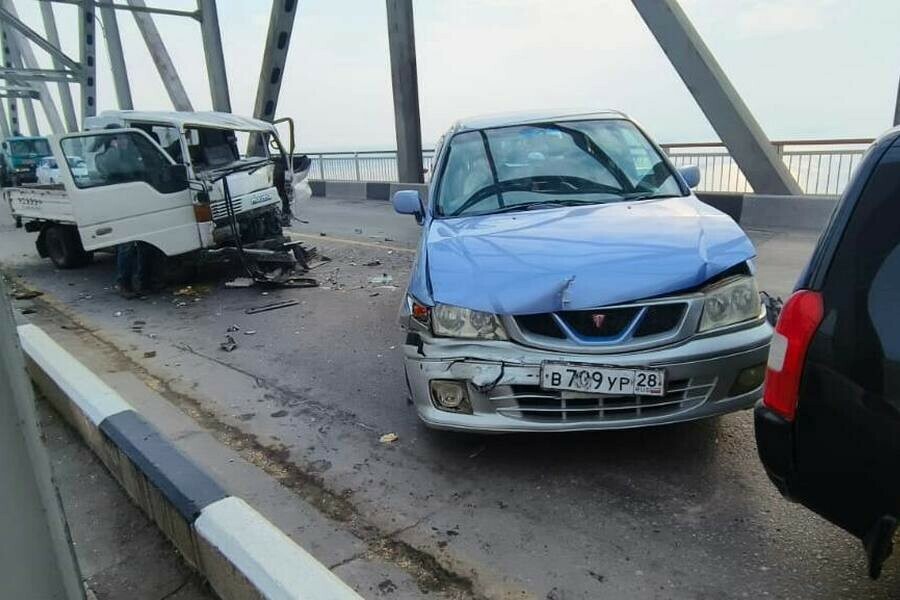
(126,292)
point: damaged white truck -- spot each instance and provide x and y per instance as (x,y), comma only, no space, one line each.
(195,185)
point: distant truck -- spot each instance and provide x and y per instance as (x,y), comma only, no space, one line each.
(19,157)
(191,184)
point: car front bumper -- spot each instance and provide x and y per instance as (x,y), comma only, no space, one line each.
(503,383)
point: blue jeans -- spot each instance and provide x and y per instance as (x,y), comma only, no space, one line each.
(131,259)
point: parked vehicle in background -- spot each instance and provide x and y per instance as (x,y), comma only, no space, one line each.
(828,427)
(567,279)
(47,171)
(191,184)
(19,157)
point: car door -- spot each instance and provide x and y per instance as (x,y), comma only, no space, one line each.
(847,430)
(129,190)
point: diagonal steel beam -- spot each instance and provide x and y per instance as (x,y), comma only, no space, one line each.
(215,60)
(167,71)
(717,98)
(65,93)
(4,124)
(27,105)
(281,25)
(20,44)
(13,21)
(116,58)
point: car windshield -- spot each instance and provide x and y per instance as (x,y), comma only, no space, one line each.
(555,163)
(38,147)
(74,161)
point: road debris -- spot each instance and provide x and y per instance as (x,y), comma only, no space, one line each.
(389,438)
(240,282)
(27,294)
(273,306)
(229,344)
(118,313)
(233,328)
(250,332)
(372,263)
(383,279)
(150,354)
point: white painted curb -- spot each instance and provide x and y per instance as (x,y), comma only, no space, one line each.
(271,561)
(95,399)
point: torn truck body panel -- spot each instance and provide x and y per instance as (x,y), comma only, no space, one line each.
(572,258)
(568,280)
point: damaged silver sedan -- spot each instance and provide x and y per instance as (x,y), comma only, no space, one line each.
(568,279)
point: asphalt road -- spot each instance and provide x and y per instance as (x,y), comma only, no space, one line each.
(672,512)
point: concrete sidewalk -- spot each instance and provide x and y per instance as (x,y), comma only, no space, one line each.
(121,553)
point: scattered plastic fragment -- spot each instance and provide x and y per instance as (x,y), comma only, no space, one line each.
(372,263)
(389,438)
(150,354)
(233,328)
(229,344)
(239,282)
(383,279)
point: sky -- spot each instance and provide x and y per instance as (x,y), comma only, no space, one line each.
(805,68)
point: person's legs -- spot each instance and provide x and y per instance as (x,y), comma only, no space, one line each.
(126,255)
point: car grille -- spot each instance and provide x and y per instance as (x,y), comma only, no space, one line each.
(530,402)
(635,322)
(220,210)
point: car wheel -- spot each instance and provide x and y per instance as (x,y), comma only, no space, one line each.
(64,247)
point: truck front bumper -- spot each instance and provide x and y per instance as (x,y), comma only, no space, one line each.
(705,376)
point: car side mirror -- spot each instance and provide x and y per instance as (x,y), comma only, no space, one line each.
(409,202)
(691,175)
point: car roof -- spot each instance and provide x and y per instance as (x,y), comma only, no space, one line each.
(536,116)
(181,119)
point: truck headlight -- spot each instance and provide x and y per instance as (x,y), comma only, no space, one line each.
(730,301)
(454,321)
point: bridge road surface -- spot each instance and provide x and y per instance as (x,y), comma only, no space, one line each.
(681,511)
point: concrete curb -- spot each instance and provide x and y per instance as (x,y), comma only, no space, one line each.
(753,211)
(241,553)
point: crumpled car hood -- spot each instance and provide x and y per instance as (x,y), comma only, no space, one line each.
(572,258)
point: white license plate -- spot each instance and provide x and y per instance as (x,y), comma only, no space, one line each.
(603,380)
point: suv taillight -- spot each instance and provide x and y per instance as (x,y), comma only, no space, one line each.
(799,320)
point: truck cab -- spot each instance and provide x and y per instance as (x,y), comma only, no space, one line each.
(19,157)
(184,182)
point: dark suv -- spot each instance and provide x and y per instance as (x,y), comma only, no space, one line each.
(828,426)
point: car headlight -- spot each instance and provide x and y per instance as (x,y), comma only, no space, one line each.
(454,321)
(730,301)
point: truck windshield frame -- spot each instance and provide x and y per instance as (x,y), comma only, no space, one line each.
(29,147)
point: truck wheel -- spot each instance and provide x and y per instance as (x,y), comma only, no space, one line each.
(64,247)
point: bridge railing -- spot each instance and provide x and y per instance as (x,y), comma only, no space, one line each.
(821,167)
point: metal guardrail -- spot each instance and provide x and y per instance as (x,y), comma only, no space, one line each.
(821,167)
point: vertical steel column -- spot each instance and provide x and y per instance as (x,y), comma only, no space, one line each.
(11,103)
(36,560)
(717,98)
(167,71)
(116,57)
(215,59)
(88,58)
(65,93)
(405,83)
(281,24)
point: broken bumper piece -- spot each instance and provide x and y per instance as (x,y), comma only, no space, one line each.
(501,383)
